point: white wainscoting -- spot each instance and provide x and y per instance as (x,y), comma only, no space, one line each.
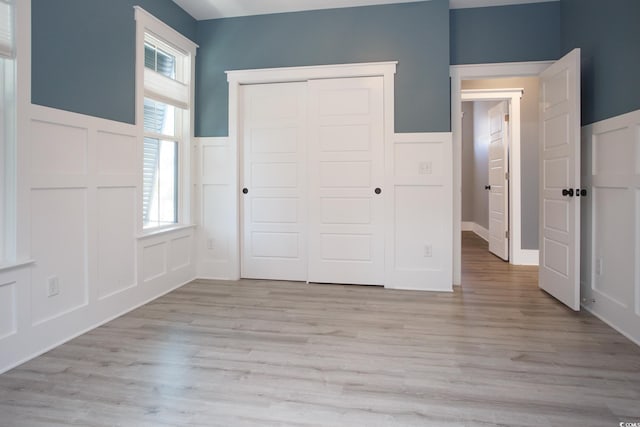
(610,273)
(420,212)
(79,185)
(217,249)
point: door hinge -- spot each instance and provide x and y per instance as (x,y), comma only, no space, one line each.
(506,117)
(506,234)
(506,176)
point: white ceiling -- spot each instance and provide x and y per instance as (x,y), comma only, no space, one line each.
(213,9)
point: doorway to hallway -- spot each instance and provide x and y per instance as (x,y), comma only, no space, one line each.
(484,273)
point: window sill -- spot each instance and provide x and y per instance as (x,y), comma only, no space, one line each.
(163,229)
(4,267)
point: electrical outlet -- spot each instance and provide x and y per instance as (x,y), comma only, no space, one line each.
(428,251)
(425,168)
(53,286)
(599,267)
(211,244)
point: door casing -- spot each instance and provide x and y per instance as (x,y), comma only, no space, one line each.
(513,97)
(459,73)
(237,78)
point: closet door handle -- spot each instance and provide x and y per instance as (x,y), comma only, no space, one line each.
(568,192)
(245,190)
(378,190)
(487,187)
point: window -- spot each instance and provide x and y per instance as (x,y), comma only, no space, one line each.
(165,70)
(160,164)
(158,60)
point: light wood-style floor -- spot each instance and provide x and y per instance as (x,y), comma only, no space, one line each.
(498,351)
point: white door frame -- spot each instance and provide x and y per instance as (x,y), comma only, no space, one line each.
(296,74)
(512,96)
(459,73)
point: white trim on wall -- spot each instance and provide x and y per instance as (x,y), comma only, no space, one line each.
(476,228)
(610,226)
(468,72)
(419,213)
(23,102)
(529,257)
(481,232)
(147,23)
(298,74)
(83,173)
(79,176)
(214,210)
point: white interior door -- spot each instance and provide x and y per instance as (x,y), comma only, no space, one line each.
(274,205)
(498,181)
(559,272)
(346,172)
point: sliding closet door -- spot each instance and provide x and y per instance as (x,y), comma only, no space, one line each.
(274,199)
(346,173)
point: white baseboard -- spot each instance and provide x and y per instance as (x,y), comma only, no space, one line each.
(611,324)
(526,257)
(481,231)
(91,327)
(476,228)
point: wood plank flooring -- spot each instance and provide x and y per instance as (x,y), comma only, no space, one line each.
(497,351)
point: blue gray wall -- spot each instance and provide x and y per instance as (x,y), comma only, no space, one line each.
(83,53)
(608,33)
(530,32)
(415,34)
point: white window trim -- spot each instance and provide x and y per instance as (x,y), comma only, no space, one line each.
(147,23)
(8,135)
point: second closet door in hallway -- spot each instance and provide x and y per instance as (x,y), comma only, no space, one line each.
(346,173)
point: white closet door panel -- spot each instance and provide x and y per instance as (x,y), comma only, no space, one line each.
(346,165)
(274,243)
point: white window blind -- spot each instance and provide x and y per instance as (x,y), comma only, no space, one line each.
(6,28)
(164,89)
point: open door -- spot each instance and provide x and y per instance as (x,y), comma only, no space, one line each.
(498,181)
(559,273)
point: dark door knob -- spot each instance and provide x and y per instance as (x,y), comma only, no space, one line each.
(487,187)
(567,192)
(378,190)
(245,190)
